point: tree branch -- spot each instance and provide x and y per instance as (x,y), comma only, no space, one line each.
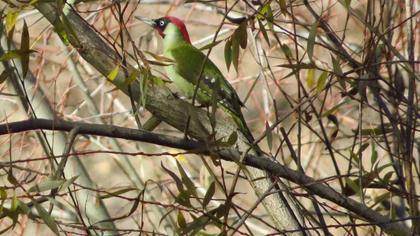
(311,185)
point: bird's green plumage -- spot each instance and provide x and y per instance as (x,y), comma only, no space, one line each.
(187,66)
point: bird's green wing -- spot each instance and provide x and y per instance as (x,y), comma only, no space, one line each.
(189,63)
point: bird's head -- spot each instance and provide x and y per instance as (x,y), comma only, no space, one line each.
(161,26)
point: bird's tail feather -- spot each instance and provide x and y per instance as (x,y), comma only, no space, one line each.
(244,129)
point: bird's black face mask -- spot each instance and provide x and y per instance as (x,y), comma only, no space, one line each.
(160,25)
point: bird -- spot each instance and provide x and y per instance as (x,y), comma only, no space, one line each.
(190,66)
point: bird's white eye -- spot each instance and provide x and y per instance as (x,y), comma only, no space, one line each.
(161,23)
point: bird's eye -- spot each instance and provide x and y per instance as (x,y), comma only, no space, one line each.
(161,23)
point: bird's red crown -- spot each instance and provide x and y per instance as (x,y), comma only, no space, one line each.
(160,25)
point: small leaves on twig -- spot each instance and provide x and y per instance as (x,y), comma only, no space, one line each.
(311,40)
(24,47)
(238,39)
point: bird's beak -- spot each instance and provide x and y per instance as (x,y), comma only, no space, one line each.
(147,21)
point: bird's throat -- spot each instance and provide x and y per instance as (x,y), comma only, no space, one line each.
(173,37)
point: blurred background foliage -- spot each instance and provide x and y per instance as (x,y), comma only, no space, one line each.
(339,76)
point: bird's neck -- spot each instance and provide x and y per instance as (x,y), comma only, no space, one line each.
(173,37)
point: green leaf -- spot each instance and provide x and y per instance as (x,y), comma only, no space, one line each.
(298,66)
(194,227)
(11,17)
(23,207)
(374,155)
(113,74)
(311,40)
(12,54)
(48,220)
(183,198)
(209,194)
(11,178)
(228,53)
(368,178)
(333,109)
(322,79)
(14,210)
(235,53)
(24,47)
(387,177)
(233,137)
(338,71)
(135,205)
(363,147)
(10,36)
(334,120)
(1,20)
(210,45)
(5,74)
(177,180)
(160,60)
(45,185)
(68,182)
(14,204)
(3,193)
(375,131)
(63,206)
(117,192)
(182,223)
(266,13)
(286,50)
(310,78)
(381,168)
(355,158)
(347,3)
(134,74)
(186,179)
(382,197)
(268,135)
(242,35)
(264,32)
(336,66)
(223,209)
(353,185)
(283,6)
(261,14)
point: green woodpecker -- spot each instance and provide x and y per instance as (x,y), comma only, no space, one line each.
(188,65)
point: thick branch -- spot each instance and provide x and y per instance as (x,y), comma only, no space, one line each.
(261,162)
